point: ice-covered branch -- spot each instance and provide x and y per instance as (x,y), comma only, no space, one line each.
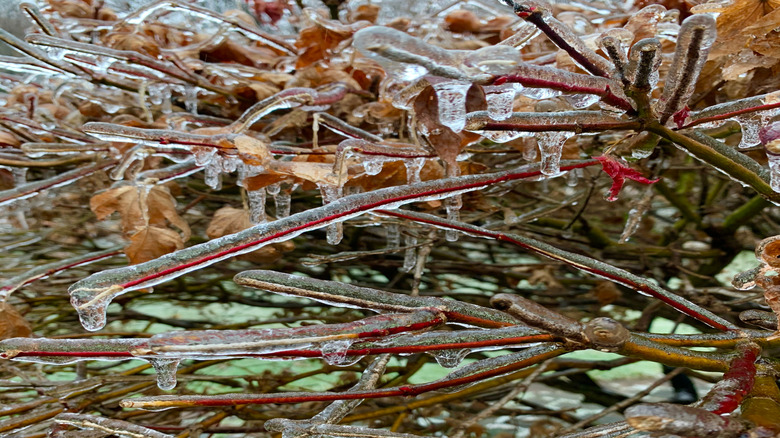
(581,262)
(92,295)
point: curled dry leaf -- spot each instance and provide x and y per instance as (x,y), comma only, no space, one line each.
(229,220)
(12,323)
(156,208)
(150,242)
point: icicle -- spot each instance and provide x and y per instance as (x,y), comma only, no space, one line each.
(452,103)
(393,235)
(773,155)
(450,358)
(573,177)
(413,168)
(256,206)
(410,255)
(166,372)
(500,101)
(551,146)
(212,174)
(334,231)
(750,124)
(191,99)
(282,204)
(635,215)
(19,175)
(453,205)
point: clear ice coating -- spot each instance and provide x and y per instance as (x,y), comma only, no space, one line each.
(405,57)
(452,103)
(494,60)
(644,61)
(697,33)
(166,372)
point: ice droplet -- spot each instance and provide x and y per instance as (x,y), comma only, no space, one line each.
(91,305)
(500,136)
(393,236)
(410,255)
(500,101)
(551,146)
(166,372)
(450,358)
(256,206)
(413,168)
(372,166)
(335,352)
(203,154)
(452,103)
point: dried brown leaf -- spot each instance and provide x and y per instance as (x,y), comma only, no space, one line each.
(150,242)
(229,220)
(156,208)
(12,323)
